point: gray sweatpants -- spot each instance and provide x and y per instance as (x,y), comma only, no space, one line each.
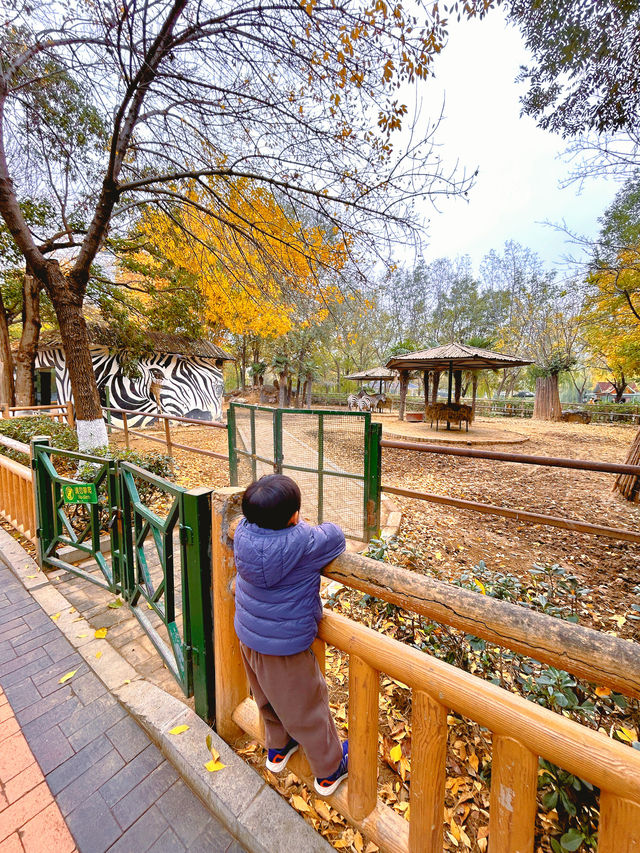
(293,700)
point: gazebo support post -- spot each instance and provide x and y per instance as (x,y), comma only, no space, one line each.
(450,389)
(425,379)
(436,383)
(457,375)
(404,382)
(474,387)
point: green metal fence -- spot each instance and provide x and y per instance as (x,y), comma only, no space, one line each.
(157,558)
(334,456)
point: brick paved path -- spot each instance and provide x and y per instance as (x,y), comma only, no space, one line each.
(73,764)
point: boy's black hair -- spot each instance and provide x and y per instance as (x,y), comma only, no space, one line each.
(271,501)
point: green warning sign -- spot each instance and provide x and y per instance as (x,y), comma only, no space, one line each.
(80,493)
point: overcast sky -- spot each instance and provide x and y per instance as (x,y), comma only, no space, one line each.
(520,165)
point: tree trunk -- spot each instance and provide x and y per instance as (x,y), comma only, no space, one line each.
(92,432)
(309,387)
(282,389)
(7,397)
(298,389)
(474,389)
(628,485)
(404,382)
(457,378)
(243,357)
(26,355)
(547,403)
(435,386)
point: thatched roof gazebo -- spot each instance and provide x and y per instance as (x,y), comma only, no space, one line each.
(374,374)
(453,358)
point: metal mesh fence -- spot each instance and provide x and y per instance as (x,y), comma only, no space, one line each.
(327,453)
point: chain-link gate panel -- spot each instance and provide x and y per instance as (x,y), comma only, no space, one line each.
(333,456)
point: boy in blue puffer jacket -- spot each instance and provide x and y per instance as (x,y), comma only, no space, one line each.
(279,559)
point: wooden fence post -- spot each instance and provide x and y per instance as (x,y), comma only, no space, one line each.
(363,737)
(512,809)
(231,681)
(619,827)
(125,425)
(167,434)
(428,773)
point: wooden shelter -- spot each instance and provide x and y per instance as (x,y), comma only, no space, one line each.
(374,374)
(452,358)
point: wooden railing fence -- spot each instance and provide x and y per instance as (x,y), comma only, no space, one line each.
(521,730)
(168,441)
(16,491)
(58,411)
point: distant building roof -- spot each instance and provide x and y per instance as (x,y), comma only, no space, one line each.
(607,388)
(162,342)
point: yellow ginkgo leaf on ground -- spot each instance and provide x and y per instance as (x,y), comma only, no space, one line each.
(603,691)
(438,555)
(300,804)
(212,766)
(55,617)
(395,753)
(98,655)
(100,634)
(323,809)
(177,730)
(79,636)
(31,577)
(67,676)
(480,586)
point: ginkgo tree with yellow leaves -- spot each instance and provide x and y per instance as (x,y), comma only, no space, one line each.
(251,260)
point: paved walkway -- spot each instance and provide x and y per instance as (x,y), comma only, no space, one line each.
(76,772)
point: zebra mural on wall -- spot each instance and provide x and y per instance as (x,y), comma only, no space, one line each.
(183,385)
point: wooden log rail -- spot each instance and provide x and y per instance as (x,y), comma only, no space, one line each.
(167,441)
(521,730)
(16,494)
(58,411)
(520,515)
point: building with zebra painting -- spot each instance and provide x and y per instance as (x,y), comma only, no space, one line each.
(183,377)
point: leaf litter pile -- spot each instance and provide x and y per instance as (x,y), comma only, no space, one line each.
(587,579)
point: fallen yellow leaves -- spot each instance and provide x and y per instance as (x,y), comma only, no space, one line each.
(100,633)
(215,764)
(178,730)
(66,677)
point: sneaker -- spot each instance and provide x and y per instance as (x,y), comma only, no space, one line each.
(277,758)
(328,785)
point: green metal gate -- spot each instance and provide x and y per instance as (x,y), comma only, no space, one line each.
(334,456)
(157,559)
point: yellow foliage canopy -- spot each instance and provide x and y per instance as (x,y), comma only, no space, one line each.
(252,261)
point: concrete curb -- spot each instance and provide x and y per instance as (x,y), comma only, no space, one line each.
(259,818)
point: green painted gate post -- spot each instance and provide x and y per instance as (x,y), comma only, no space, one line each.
(231,439)
(45,525)
(373,472)
(197,574)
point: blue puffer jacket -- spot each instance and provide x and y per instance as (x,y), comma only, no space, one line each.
(277,589)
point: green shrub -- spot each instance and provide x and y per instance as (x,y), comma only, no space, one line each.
(24,429)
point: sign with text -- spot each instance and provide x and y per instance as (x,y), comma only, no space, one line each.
(80,493)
